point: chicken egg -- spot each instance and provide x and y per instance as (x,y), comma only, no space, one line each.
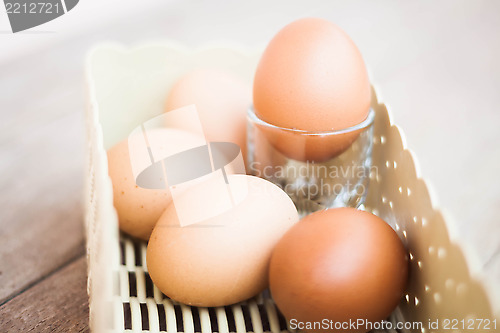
(224,259)
(339,264)
(222,100)
(311,78)
(138,208)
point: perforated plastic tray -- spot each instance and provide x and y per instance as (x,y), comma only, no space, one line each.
(127,87)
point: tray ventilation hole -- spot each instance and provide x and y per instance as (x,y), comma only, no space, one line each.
(449,284)
(437,298)
(441,253)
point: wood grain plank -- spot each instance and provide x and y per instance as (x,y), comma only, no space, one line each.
(57,304)
(41,167)
(41,214)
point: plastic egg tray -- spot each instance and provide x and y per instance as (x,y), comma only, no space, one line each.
(127,87)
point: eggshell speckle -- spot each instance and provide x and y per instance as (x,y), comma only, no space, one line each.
(139,209)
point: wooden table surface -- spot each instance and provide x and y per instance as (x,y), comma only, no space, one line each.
(435,64)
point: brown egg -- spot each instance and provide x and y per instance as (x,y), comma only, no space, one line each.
(224,259)
(339,264)
(221,99)
(312,77)
(138,208)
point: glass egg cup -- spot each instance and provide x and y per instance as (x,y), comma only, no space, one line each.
(318,170)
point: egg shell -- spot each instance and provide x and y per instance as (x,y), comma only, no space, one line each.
(225,259)
(222,100)
(340,264)
(138,208)
(312,77)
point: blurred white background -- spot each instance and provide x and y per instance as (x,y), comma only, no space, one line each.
(436,64)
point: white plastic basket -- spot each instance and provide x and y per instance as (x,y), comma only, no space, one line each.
(127,87)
